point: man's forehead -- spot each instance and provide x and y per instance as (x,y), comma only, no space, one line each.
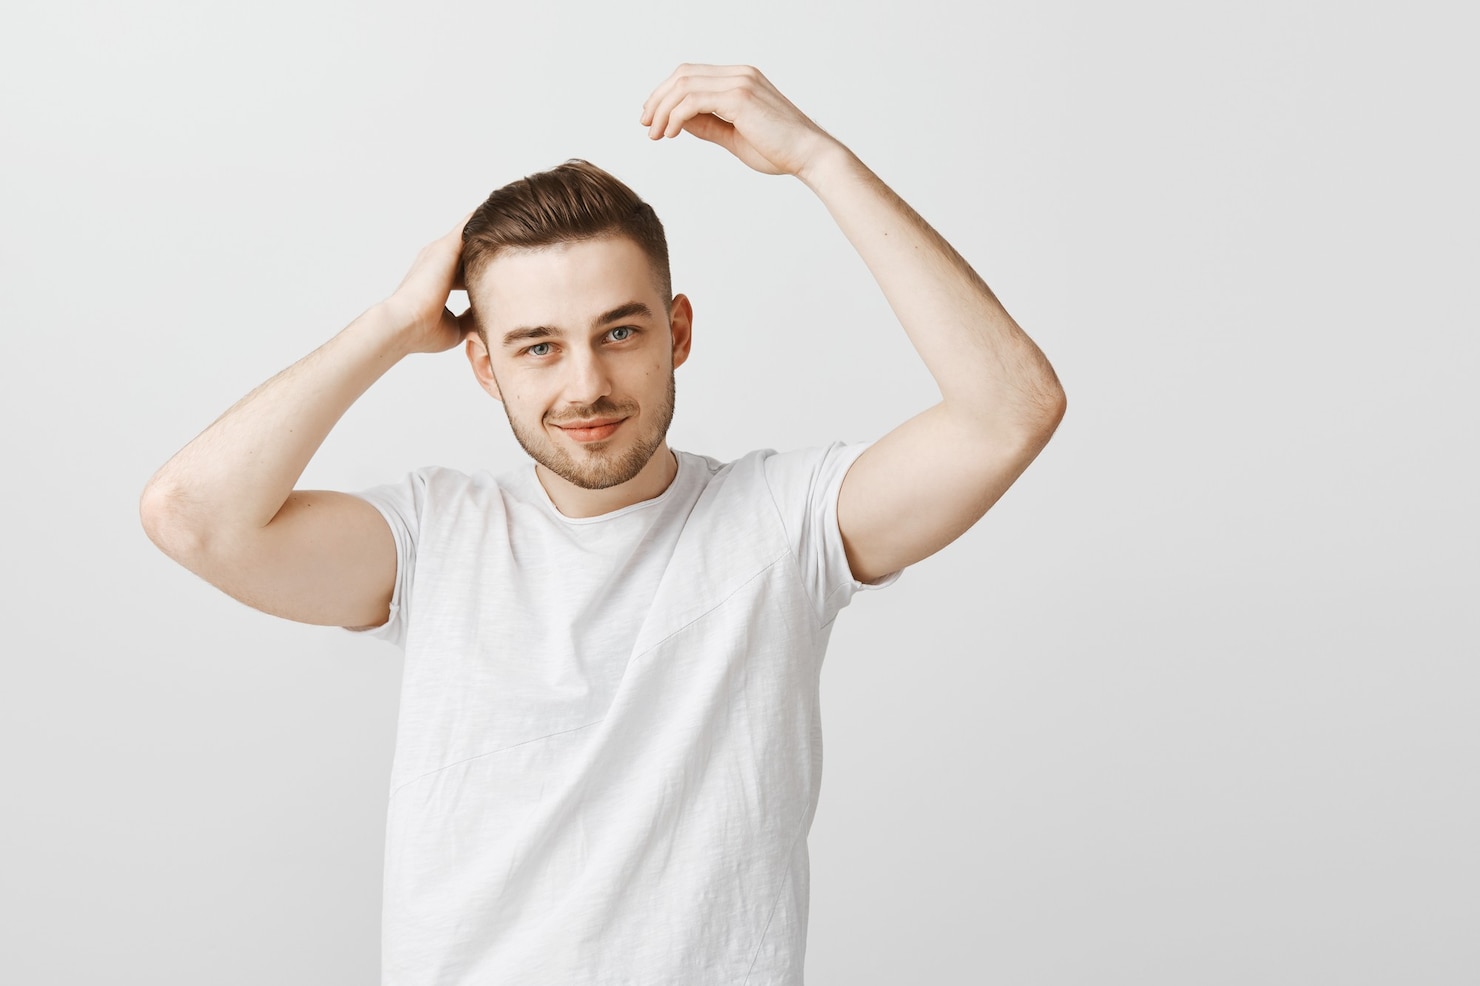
(568,315)
(567,287)
(563,267)
(586,273)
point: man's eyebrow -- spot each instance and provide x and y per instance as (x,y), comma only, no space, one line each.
(529,332)
(632,309)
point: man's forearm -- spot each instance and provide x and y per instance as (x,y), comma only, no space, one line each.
(237,474)
(983,362)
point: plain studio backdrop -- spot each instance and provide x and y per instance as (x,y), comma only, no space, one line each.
(1194,703)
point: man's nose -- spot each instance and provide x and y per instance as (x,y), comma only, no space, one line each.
(588,380)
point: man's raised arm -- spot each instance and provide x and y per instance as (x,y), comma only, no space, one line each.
(926,482)
(224,506)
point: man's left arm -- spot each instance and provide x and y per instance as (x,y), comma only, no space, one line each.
(926,482)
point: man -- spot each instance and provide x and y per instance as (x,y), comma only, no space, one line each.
(609,748)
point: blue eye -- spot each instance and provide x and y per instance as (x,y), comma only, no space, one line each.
(625,333)
(539,349)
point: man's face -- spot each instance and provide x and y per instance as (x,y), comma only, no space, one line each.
(581,350)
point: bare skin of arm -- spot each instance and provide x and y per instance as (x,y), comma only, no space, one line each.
(931,478)
(224,506)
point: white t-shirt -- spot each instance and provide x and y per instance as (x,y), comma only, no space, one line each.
(609,748)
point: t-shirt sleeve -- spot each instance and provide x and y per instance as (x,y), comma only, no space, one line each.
(401,504)
(804,485)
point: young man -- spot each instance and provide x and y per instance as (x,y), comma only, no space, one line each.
(609,748)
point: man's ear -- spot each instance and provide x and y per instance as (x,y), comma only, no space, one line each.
(681,318)
(477,352)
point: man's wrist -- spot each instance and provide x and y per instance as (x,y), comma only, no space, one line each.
(387,327)
(830,162)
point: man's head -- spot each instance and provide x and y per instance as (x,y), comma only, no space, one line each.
(574,201)
(577,334)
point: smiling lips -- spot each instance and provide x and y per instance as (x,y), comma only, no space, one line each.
(592,431)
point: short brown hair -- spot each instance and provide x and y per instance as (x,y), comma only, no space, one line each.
(573,201)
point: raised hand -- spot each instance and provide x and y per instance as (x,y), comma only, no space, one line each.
(738,108)
(419,304)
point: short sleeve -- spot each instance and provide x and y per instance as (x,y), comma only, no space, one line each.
(804,485)
(401,504)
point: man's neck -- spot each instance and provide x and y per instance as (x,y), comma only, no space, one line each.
(575,501)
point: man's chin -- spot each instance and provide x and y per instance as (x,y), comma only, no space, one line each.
(602,469)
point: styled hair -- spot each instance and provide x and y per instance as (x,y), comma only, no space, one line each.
(573,201)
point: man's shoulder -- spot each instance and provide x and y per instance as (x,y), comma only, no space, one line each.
(712,471)
(446,484)
(761,456)
(796,472)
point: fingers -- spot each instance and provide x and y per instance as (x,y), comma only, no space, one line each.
(458,284)
(721,96)
(447,249)
(437,270)
(694,71)
(707,126)
(688,79)
(456,232)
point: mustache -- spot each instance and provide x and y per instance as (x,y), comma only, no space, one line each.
(602,408)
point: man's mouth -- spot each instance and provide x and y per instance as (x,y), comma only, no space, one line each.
(594,430)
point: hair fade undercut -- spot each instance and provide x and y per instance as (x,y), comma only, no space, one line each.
(573,201)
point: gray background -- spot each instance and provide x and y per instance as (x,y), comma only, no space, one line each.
(1193,703)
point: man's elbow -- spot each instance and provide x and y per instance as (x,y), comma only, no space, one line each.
(166,521)
(1039,412)
(1032,403)
(1054,404)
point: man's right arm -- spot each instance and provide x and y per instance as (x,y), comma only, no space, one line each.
(224,506)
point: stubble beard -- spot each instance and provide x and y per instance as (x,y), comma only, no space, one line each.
(600,470)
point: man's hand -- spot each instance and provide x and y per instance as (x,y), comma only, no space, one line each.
(225,506)
(420,303)
(923,484)
(736,107)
